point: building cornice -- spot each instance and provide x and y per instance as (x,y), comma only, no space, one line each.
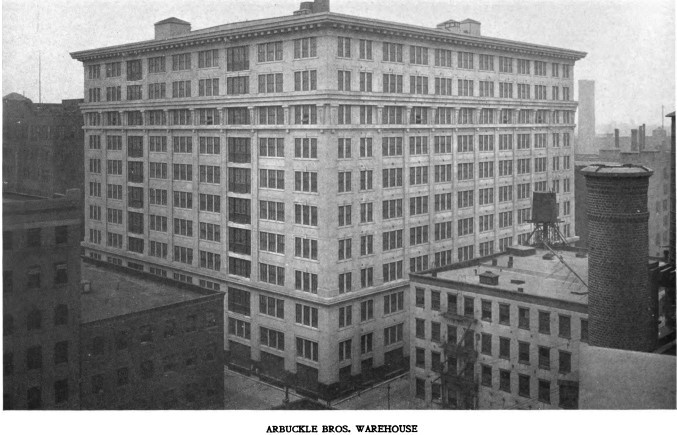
(232,33)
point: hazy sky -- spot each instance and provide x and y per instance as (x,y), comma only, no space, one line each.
(630,44)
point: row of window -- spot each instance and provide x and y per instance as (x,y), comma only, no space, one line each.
(237,59)
(34,320)
(487,312)
(306,114)
(33,278)
(239,148)
(34,237)
(307,81)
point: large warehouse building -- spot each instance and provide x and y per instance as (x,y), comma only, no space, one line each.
(306,164)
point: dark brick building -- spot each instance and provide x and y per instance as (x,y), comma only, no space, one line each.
(42,147)
(149,344)
(41,301)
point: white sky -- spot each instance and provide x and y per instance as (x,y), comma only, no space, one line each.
(630,43)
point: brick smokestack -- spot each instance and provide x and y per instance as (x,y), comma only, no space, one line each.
(621,307)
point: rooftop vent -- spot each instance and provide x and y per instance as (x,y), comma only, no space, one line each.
(171,27)
(488,278)
(467,27)
(520,289)
(548,256)
(516,281)
(313,7)
(86,286)
(521,251)
(581,254)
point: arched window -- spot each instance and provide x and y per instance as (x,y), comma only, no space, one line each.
(61,315)
(34,320)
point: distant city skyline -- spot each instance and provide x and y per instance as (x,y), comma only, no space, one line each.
(634,70)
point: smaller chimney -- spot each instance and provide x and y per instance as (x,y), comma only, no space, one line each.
(642,138)
(313,7)
(617,139)
(510,260)
(170,28)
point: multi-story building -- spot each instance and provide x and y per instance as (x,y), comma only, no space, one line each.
(650,151)
(41,301)
(500,332)
(42,151)
(149,344)
(307,163)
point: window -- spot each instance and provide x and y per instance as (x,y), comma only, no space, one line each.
(303,80)
(486,344)
(465,60)
(60,352)
(239,301)
(305,114)
(584,330)
(271,274)
(113,69)
(504,380)
(564,326)
(366,343)
(271,338)
(305,248)
(307,349)
(564,362)
(365,52)
(544,357)
(305,48)
(367,212)
(345,316)
(34,320)
(392,52)
(239,240)
(305,214)
(237,58)
(392,271)
(134,70)
(34,358)
(504,348)
(523,352)
(270,51)
(366,310)
(544,390)
(393,334)
(306,315)
(544,322)
(393,115)
(344,249)
(305,181)
(392,83)
(367,277)
(305,281)
(393,303)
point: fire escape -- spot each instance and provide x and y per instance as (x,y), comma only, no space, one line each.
(459,381)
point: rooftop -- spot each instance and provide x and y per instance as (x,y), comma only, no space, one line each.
(535,275)
(114,293)
(622,379)
(253,28)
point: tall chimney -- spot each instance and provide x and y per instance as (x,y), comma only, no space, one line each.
(617,139)
(642,138)
(633,140)
(621,307)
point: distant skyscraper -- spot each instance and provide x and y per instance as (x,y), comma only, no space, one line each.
(586,117)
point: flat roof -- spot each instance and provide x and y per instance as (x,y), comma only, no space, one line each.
(254,27)
(114,293)
(534,274)
(623,379)
(11,197)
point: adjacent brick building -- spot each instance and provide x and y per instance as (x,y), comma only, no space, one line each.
(148,344)
(41,301)
(42,152)
(305,164)
(500,332)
